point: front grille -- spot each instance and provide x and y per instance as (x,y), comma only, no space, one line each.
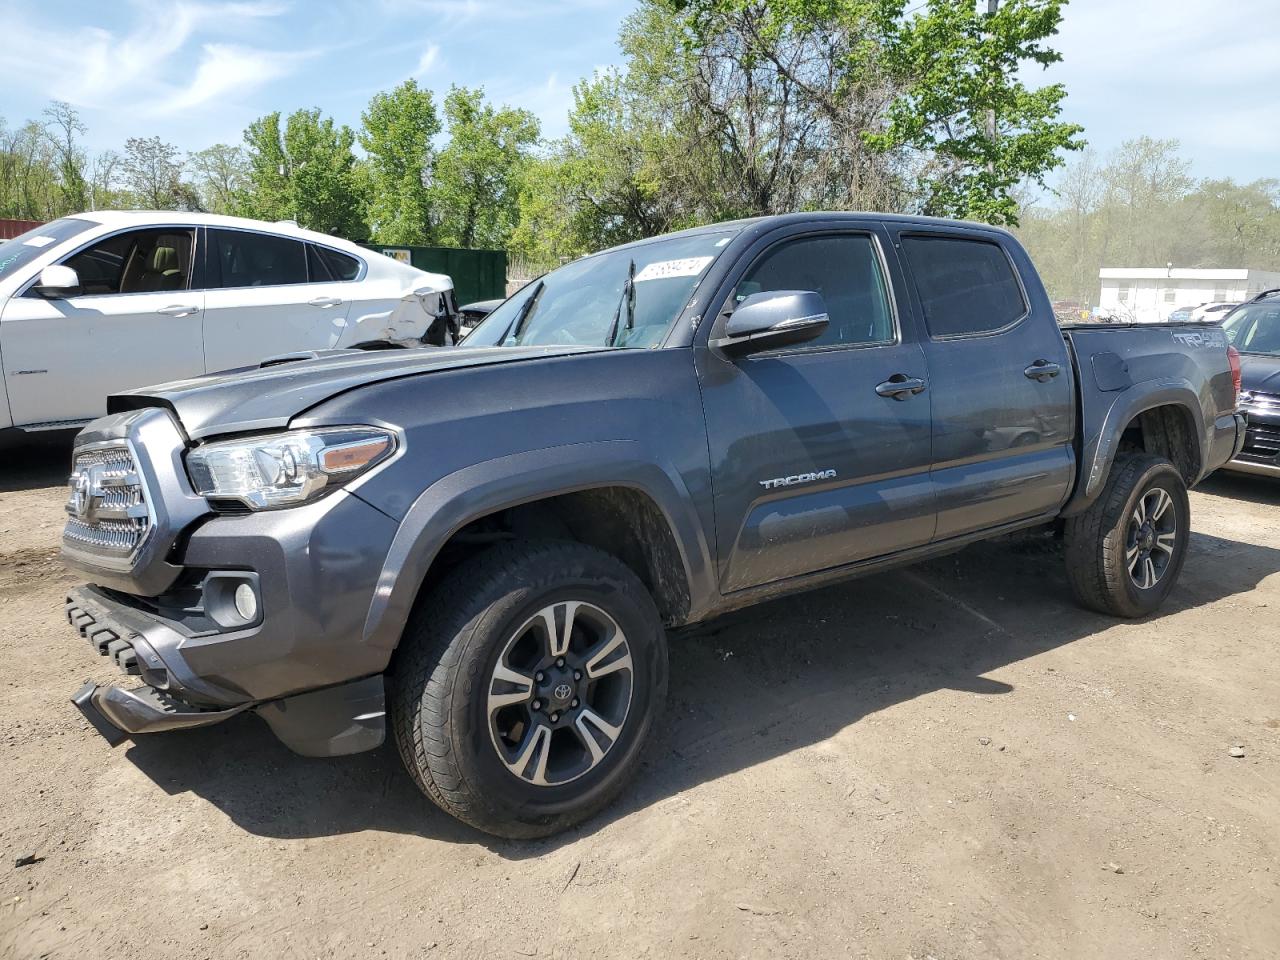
(1260,400)
(107,511)
(1261,443)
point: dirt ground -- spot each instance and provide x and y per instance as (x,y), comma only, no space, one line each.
(951,761)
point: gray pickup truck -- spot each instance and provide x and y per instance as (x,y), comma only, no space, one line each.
(487,544)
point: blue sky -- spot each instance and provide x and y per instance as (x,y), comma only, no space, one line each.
(195,72)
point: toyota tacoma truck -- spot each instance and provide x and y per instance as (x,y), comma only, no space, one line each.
(483,548)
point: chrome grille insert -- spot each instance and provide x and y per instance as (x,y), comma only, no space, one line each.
(107,510)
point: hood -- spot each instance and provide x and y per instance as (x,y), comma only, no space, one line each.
(1258,372)
(264,398)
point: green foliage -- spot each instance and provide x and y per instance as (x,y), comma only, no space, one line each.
(958,121)
(221,177)
(396,132)
(304,172)
(476,178)
(63,127)
(43,166)
(1142,208)
(964,106)
(152,175)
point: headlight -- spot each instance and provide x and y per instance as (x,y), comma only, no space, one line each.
(285,469)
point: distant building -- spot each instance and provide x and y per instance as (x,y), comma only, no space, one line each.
(1150,294)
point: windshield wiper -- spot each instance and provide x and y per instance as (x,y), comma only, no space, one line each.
(629,298)
(526,311)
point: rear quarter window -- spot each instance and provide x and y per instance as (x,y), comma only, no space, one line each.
(966,287)
(339,266)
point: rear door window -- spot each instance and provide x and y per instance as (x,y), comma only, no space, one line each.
(966,287)
(248,259)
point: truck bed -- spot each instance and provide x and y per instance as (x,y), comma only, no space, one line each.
(1125,369)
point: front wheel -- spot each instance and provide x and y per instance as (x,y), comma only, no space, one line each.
(526,686)
(1125,552)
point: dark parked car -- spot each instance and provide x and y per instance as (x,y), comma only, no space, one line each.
(1254,329)
(472,313)
(482,548)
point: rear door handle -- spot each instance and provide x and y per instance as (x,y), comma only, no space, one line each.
(324,302)
(178,310)
(1042,370)
(900,387)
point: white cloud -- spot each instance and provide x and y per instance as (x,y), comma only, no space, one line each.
(454,12)
(227,72)
(427,60)
(141,63)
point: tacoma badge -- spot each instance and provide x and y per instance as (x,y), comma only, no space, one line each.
(791,481)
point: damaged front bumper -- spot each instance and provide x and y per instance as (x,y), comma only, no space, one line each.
(332,721)
(118,714)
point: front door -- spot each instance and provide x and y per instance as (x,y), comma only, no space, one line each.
(812,468)
(135,322)
(1001,379)
(261,302)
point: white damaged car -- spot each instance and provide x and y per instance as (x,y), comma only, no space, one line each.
(101,302)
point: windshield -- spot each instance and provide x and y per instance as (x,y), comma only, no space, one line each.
(624,298)
(22,249)
(1255,328)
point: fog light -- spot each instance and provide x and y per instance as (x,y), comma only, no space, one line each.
(246,601)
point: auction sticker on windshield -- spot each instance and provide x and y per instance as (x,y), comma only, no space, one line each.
(688,267)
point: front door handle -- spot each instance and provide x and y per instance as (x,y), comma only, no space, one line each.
(324,302)
(900,387)
(1042,370)
(178,310)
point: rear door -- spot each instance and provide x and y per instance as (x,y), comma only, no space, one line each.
(261,300)
(135,322)
(811,467)
(1000,376)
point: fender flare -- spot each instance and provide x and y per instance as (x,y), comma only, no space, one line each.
(457,499)
(1099,451)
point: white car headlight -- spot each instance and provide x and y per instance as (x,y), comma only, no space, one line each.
(285,469)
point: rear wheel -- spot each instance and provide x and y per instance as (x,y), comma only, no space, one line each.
(1125,552)
(526,686)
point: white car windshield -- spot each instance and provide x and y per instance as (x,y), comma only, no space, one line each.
(22,249)
(621,298)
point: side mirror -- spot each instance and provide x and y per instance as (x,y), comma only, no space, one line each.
(57,281)
(775,318)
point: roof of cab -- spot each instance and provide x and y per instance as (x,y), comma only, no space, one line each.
(817,216)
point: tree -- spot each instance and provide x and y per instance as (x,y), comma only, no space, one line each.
(396,132)
(103,181)
(476,177)
(63,127)
(965,107)
(703,124)
(29,188)
(267,196)
(305,172)
(152,174)
(961,123)
(221,176)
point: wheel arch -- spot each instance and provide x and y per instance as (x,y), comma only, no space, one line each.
(1166,419)
(606,494)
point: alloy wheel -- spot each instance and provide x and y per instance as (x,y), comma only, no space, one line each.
(560,693)
(1150,538)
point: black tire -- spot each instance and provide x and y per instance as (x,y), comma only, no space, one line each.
(1099,541)
(443,675)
